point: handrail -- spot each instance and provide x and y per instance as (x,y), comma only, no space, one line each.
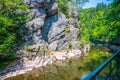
(98,69)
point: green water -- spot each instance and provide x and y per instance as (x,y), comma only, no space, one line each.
(72,69)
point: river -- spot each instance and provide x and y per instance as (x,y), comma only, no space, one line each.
(72,69)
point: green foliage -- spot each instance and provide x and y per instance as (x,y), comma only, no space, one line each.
(5,60)
(69,46)
(97,56)
(12,16)
(63,7)
(79,3)
(67,30)
(100,23)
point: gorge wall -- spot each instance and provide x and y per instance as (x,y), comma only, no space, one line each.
(46,29)
(50,28)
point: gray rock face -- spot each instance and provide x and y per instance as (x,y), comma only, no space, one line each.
(32,33)
(62,44)
(73,35)
(76,45)
(37,12)
(57,30)
(57,34)
(73,11)
(46,25)
(36,28)
(53,6)
(58,45)
(35,3)
(38,48)
(53,46)
(35,24)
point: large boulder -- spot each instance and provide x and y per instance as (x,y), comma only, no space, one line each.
(76,45)
(73,12)
(58,45)
(63,44)
(46,25)
(73,35)
(37,47)
(32,50)
(57,30)
(32,33)
(53,46)
(57,36)
(52,9)
(37,12)
(35,24)
(37,3)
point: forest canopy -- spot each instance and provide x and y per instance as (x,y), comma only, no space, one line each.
(101,23)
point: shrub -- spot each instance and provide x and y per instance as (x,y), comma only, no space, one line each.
(12,16)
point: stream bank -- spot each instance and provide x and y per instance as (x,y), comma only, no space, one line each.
(112,47)
(25,65)
(71,69)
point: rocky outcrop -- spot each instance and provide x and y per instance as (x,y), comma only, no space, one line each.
(57,34)
(39,10)
(46,25)
(25,65)
(73,12)
(46,28)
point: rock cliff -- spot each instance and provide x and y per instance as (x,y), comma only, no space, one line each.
(46,29)
(48,26)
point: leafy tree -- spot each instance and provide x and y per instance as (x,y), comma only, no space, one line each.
(79,3)
(63,7)
(113,19)
(12,16)
(101,23)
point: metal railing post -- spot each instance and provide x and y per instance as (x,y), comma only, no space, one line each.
(94,78)
(110,68)
(93,74)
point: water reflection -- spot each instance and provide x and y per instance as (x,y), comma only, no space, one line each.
(83,76)
(72,69)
